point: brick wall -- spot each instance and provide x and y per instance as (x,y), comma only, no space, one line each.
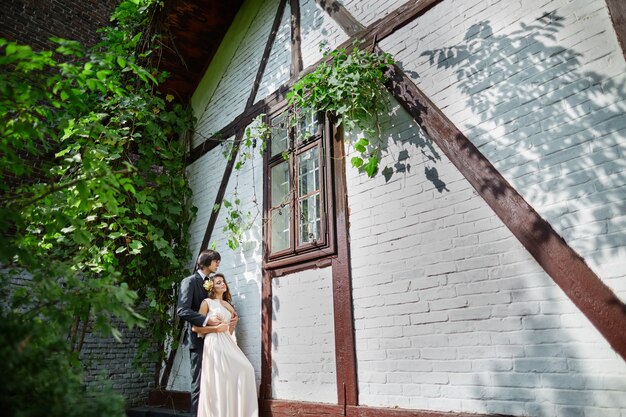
(303,340)
(234,88)
(278,68)
(538,87)
(109,362)
(32,22)
(317,30)
(451,312)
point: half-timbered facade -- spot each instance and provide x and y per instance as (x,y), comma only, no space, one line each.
(483,270)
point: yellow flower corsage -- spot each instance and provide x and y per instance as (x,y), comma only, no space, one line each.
(208,285)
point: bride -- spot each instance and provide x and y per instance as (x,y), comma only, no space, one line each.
(227,382)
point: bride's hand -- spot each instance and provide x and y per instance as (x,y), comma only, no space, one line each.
(213,321)
(222,327)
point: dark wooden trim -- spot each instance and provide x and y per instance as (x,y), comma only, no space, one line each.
(326,248)
(265,389)
(395,20)
(296,39)
(302,266)
(399,412)
(221,191)
(281,408)
(568,270)
(345,344)
(341,16)
(617,10)
(266,52)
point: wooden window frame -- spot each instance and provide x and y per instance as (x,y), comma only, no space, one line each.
(297,254)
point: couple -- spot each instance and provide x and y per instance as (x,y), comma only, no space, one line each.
(222,378)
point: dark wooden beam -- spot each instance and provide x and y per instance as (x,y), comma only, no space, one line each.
(266,53)
(568,270)
(265,389)
(617,10)
(341,16)
(345,344)
(280,408)
(296,39)
(215,209)
(240,122)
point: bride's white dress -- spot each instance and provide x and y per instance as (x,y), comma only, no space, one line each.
(227,386)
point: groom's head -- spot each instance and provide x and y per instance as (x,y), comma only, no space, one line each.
(210,259)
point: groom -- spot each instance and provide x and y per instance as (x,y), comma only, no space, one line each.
(190,297)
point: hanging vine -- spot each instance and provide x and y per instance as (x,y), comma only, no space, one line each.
(349,86)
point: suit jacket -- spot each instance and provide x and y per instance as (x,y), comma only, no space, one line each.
(190,297)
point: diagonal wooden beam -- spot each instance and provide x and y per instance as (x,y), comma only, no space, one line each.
(341,16)
(617,10)
(568,270)
(241,125)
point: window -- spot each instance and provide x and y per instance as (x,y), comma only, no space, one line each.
(298,188)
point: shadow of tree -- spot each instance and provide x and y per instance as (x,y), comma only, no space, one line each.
(553,129)
(556,131)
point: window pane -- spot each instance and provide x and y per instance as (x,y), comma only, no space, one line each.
(280,134)
(308,172)
(280,184)
(310,219)
(280,229)
(307,125)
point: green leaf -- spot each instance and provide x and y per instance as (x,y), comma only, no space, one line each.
(356,162)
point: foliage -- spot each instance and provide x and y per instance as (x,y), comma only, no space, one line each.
(349,86)
(40,375)
(92,188)
(238,221)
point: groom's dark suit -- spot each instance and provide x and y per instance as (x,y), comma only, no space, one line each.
(189,299)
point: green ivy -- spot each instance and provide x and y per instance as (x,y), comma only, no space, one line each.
(237,221)
(350,87)
(93,191)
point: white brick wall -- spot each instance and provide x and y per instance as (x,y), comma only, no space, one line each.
(278,68)
(317,27)
(544,101)
(233,90)
(303,342)
(369,11)
(451,312)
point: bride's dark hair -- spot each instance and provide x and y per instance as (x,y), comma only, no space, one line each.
(226,297)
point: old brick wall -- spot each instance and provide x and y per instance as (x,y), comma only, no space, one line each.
(108,361)
(33,22)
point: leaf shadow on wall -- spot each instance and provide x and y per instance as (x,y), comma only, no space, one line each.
(554,130)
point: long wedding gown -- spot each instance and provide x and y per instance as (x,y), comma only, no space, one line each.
(227,382)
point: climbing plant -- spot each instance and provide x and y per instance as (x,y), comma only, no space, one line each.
(350,87)
(93,214)
(238,220)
